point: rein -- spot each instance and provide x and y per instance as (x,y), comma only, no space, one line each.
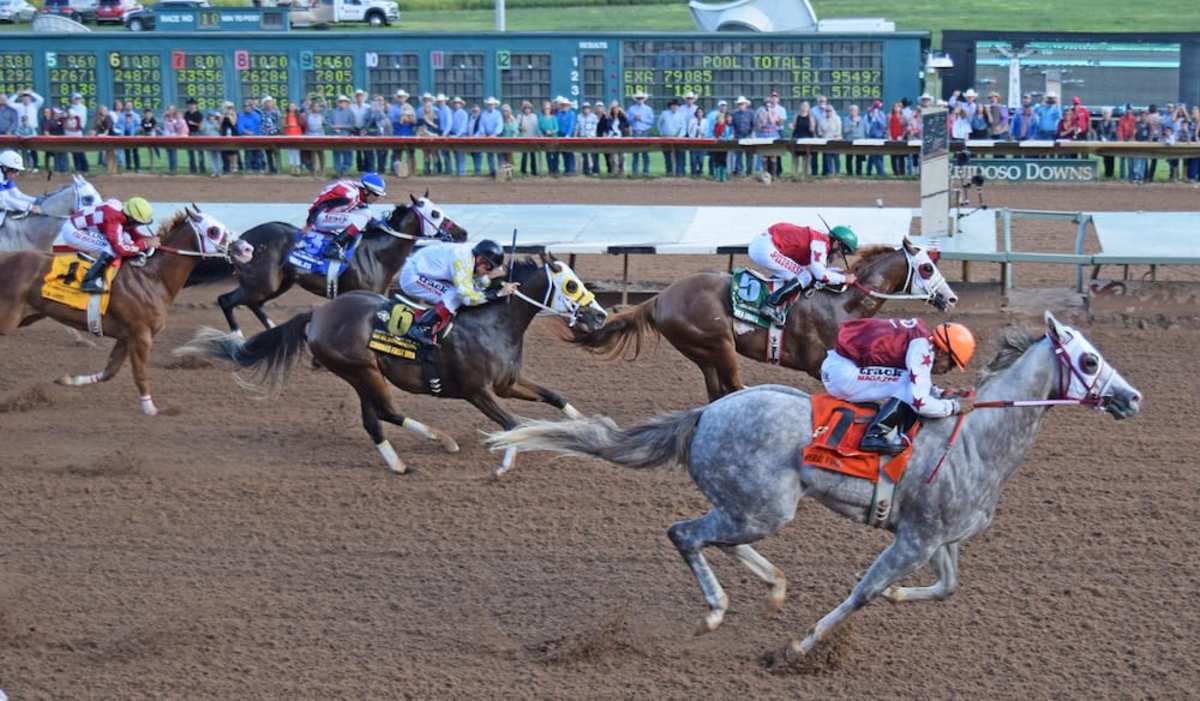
(544,305)
(223,254)
(1093,398)
(908,283)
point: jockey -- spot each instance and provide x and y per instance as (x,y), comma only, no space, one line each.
(110,232)
(799,255)
(327,213)
(891,361)
(449,276)
(11,198)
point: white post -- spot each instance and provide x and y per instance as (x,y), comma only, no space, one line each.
(499,15)
(935,174)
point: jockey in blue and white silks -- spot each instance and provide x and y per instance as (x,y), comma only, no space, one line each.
(11,197)
(449,276)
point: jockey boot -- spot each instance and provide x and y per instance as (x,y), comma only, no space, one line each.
(886,434)
(336,250)
(426,327)
(775,308)
(93,281)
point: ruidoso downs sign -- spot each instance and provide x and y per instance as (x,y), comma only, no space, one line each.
(1028,170)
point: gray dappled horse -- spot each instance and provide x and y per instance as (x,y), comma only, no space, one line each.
(36,232)
(743,452)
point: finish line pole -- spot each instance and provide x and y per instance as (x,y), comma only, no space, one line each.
(499,15)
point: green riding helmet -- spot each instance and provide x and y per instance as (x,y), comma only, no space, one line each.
(846,236)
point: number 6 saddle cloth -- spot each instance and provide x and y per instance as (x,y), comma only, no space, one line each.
(389,336)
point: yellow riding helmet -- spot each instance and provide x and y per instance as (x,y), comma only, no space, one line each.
(139,210)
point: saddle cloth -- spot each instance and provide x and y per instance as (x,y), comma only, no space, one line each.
(838,427)
(748,295)
(390,336)
(61,284)
(308,253)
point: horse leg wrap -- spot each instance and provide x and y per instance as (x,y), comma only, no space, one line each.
(419,428)
(81,380)
(148,408)
(389,456)
(571,412)
(510,455)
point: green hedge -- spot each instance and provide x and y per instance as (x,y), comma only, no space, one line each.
(425,5)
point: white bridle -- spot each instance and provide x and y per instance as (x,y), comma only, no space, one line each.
(932,284)
(585,297)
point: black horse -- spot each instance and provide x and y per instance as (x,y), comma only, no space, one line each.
(373,265)
(478,360)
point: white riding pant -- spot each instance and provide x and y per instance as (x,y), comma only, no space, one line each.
(763,252)
(429,290)
(846,380)
(87,241)
(333,222)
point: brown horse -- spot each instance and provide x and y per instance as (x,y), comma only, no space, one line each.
(696,316)
(478,361)
(137,309)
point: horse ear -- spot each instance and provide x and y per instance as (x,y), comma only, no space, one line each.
(426,193)
(908,245)
(195,208)
(413,198)
(1055,329)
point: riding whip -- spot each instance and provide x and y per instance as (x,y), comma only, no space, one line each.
(512,253)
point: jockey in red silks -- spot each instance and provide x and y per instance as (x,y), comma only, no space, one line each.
(892,361)
(798,255)
(110,232)
(328,213)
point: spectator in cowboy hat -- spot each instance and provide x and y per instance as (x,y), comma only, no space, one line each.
(672,124)
(641,122)
(995,114)
(404,123)
(459,124)
(743,128)
(490,124)
(714,117)
(1048,114)
(442,107)
(566,129)
(341,122)
(585,128)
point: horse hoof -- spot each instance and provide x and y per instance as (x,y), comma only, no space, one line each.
(65,380)
(448,444)
(777,595)
(893,595)
(148,408)
(712,621)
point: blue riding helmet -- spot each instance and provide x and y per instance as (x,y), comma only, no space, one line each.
(373,183)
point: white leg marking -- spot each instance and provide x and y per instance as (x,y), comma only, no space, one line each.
(389,456)
(148,408)
(240,336)
(714,617)
(572,412)
(270,323)
(80,380)
(510,454)
(419,428)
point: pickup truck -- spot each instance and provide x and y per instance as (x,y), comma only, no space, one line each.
(315,13)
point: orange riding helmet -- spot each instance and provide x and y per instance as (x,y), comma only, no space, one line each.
(956,341)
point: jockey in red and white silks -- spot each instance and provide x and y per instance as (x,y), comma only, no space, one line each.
(331,212)
(893,361)
(109,232)
(798,255)
(450,275)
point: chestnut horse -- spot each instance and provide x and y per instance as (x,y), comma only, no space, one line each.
(696,316)
(140,295)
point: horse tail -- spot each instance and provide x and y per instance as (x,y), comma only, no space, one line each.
(661,440)
(270,355)
(620,330)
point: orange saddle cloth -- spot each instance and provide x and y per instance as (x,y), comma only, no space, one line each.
(838,428)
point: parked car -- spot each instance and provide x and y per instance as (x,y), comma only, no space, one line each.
(78,10)
(16,11)
(116,10)
(144,20)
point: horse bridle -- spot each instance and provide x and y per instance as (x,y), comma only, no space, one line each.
(199,252)
(932,284)
(571,317)
(1094,391)
(440,231)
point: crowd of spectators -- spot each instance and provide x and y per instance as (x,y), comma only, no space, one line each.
(438,115)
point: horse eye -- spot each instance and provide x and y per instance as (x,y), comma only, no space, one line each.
(571,287)
(1089,363)
(437,215)
(214,233)
(926,270)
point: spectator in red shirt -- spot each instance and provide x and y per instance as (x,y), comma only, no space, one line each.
(896,129)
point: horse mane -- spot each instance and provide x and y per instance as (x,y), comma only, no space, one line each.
(527,265)
(868,255)
(1014,341)
(372,233)
(168,225)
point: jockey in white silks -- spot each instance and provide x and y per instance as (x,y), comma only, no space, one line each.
(892,361)
(448,276)
(11,197)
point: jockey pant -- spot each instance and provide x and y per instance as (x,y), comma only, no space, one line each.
(93,243)
(763,252)
(335,223)
(430,290)
(846,380)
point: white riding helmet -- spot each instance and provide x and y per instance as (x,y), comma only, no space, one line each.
(12,160)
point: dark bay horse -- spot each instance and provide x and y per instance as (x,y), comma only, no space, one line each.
(743,453)
(695,315)
(140,296)
(373,266)
(479,360)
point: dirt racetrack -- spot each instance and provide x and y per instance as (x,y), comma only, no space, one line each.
(234,548)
